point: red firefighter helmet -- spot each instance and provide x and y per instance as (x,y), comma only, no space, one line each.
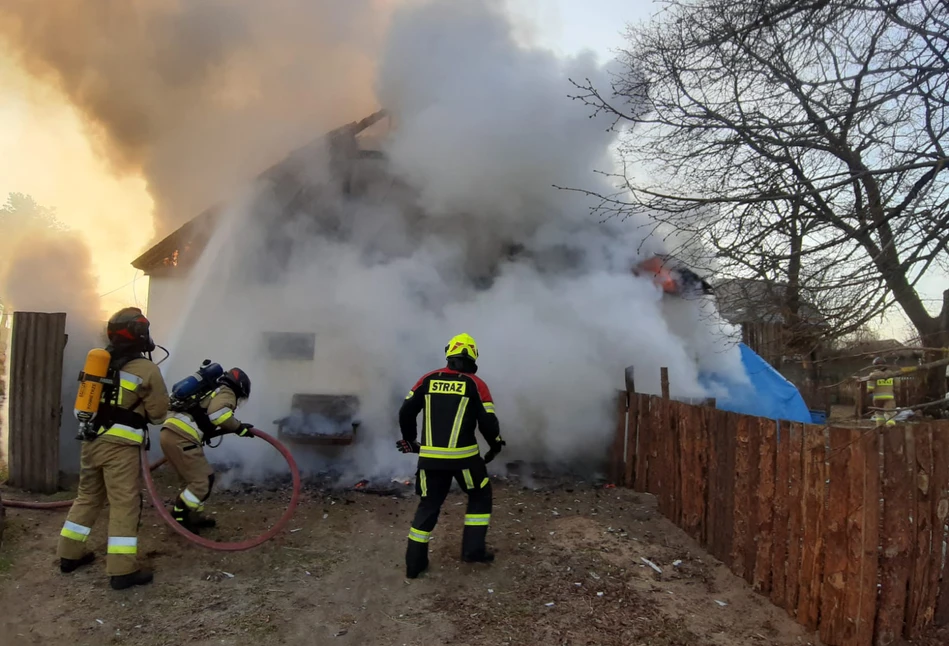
(129,329)
(238,381)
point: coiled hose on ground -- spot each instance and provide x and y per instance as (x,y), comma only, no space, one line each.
(194,538)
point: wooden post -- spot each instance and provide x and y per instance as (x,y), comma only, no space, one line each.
(896,562)
(644,434)
(795,518)
(815,477)
(765,499)
(833,593)
(744,492)
(780,543)
(919,610)
(863,536)
(36,383)
(664,372)
(619,440)
(860,398)
(940,517)
(632,429)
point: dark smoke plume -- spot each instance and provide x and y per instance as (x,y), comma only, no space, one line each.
(201,95)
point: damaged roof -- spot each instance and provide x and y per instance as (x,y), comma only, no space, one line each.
(183,246)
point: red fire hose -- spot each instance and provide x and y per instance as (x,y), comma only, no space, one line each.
(242,545)
(59,504)
(194,538)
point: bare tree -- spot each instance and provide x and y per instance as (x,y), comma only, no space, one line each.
(802,141)
(21,215)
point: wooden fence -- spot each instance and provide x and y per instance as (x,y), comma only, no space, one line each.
(844,528)
(36,373)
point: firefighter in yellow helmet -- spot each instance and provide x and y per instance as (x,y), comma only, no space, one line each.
(881,388)
(184,432)
(454,402)
(110,460)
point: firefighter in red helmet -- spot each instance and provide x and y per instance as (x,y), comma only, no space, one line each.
(183,434)
(454,401)
(110,456)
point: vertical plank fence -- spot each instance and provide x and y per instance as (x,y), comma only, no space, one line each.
(35,409)
(844,528)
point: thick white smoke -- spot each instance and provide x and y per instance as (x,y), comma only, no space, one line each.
(51,271)
(465,234)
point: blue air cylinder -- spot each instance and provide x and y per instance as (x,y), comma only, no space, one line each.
(207,374)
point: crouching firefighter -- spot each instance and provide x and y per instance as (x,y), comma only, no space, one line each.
(454,402)
(199,414)
(121,391)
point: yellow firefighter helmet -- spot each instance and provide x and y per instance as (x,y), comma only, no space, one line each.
(460,346)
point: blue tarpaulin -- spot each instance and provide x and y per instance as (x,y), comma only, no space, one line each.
(768,395)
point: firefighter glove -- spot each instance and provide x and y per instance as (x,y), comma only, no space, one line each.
(244,430)
(493,452)
(405,446)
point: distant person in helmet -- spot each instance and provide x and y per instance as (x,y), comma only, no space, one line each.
(454,402)
(881,388)
(110,463)
(185,431)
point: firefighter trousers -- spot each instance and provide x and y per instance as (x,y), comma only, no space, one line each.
(107,472)
(433,486)
(884,417)
(188,459)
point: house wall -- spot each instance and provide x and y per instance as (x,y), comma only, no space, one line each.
(165,300)
(239,337)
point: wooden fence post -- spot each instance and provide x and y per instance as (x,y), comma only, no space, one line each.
(919,609)
(898,534)
(833,591)
(779,546)
(860,399)
(664,374)
(941,516)
(36,376)
(619,440)
(632,429)
(815,477)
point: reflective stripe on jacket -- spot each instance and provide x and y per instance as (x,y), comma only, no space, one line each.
(140,390)
(453,404)
(881,388)
(219,407)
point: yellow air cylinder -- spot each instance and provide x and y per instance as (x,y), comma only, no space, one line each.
(90,386)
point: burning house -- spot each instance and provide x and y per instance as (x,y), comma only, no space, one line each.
(329,282)
(319,192)
(318,411)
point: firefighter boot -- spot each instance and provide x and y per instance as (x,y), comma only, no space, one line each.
(485,556)
(203,522)
(191,521)
(473,548)
(71,565)
(125,581)
(416,559)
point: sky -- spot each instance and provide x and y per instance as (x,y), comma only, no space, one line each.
(47,152)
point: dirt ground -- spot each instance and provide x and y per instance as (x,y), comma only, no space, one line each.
(570,570)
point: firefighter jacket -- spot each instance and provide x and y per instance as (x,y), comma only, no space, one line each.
(454,403)
(211,417)
(880,388)
(138,398)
